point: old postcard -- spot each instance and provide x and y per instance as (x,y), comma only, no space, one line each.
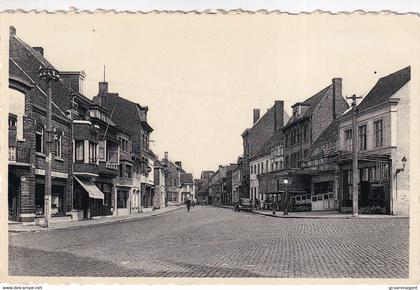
(197,147)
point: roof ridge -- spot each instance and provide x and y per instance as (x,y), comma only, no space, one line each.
(36,85)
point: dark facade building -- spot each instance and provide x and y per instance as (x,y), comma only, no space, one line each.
(27,137)
(255,137)
(313,125)
(132,119)
(172,180)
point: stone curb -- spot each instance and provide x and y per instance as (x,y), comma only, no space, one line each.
(320,216)
(126,219)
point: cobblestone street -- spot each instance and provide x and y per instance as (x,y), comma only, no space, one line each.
(218,242)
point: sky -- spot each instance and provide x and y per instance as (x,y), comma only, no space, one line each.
(202,75)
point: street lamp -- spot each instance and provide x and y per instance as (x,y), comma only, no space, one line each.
(286,197)
(404,161)
(48,75)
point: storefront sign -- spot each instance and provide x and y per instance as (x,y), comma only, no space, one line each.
(53,173)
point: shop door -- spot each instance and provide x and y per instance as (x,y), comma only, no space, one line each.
(13,197)
(364,193)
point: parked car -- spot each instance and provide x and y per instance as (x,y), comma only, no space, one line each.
(243,204)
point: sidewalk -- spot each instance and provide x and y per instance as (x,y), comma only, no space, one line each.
(19,227)
(328,214)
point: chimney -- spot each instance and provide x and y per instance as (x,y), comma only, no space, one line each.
(39,49)
(278,115)
(337,94)
(165,155)
(12,30)
(256,115)
(103,88)
(74,79)
(178,163)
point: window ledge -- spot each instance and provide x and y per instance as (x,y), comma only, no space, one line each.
(39,154)
(58,159)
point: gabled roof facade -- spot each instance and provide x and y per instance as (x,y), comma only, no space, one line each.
(309,105)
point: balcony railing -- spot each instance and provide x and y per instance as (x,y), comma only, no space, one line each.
(19,154)
(111,165)
(12,153)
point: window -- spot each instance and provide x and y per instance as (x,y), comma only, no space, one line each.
(348,136)
(252,171)
(174,182)
(39,139)
(362,137)
(258,169)
(101,150)
(120,171)
(79,150)
(305,132)
(128,171)
(266,165)
(305,153)
(379,134)
(12,122)
(92,152)
(295,112)
(58,146)
(124,144)
(122,197)
(255,168)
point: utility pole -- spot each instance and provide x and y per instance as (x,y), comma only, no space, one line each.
(354,156)
(48,75)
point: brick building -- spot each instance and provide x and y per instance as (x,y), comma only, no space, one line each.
(172,180)
(140,162)
(160,198)
(187,187)
(255,137)
(27,137)
(202,187)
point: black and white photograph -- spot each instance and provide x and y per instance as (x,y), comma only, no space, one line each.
(210,145)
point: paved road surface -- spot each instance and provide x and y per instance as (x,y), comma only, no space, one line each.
(217,242)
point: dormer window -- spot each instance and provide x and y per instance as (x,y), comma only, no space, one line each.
(297,110)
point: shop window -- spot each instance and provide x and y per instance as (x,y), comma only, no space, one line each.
(79,150)
(39,139)
(57,201)
(313,198)
(372,174)
(325,196)
(319,197)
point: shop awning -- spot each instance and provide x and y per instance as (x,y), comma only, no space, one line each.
(274,183)
(91,188)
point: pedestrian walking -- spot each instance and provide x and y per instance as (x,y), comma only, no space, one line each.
(188,202)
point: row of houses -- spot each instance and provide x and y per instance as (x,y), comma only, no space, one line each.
(308,153)
(101,162)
